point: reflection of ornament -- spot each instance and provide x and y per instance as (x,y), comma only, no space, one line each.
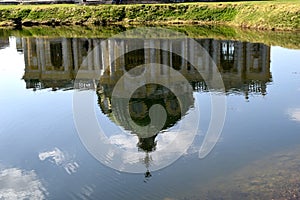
(138,110)
(173,107)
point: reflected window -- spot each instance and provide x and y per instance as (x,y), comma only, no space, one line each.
(134,59)
(56,55)
(227,55)
(256,64)
(255,50)
(189,67)
(85,48)
(176,61)
(33,48)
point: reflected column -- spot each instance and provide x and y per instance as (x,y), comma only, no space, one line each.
(41,54)
(75,54)
(111,55)
(165,57)
(90,56)
(96,55)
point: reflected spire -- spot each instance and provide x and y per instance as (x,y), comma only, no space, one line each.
(147,161)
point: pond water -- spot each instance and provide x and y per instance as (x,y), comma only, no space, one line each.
(49,149)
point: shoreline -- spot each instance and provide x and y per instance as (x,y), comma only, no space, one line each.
(258,15)
(284,39)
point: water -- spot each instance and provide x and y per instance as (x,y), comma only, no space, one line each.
(42,155)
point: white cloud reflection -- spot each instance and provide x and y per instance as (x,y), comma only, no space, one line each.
(294,114)
(129,144)
(124,141)
(59,158)
(19,184)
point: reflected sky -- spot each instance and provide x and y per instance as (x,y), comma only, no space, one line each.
(294,114)
(19,184)
(60,159)
(40,146)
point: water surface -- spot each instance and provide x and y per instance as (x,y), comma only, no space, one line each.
(42,156)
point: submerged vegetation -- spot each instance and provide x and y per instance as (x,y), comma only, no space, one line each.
(269,15)
(275,176)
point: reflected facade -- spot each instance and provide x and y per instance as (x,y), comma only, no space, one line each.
(255,157)
(53,63)
(4,42)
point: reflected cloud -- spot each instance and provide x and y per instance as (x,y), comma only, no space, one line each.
(59,158)
(19,184)
(129,144)
(124,141)
(294,114)
(56,156)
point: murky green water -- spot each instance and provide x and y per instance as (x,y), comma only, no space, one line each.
(44,156)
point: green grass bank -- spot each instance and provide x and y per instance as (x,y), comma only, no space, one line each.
(265,15)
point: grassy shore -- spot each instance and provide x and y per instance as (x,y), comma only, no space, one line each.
(266,15)
(273,38)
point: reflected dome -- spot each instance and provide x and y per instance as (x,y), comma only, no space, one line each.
(151,94)
(140,105)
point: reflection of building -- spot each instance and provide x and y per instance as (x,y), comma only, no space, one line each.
(19,44)
(139,110)
(54,63)
(245,67)
(4,42)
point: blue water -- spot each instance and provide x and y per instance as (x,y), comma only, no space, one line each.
(42,156)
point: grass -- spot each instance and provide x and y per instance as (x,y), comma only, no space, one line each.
(270,15)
